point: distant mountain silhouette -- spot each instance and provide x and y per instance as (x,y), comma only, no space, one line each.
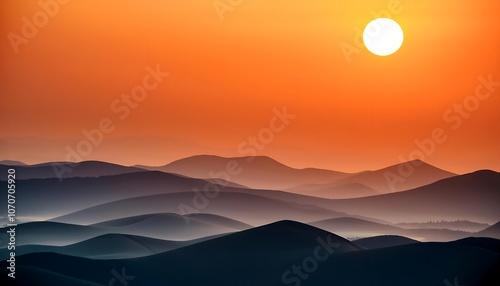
(226,183)
(380,181)
(174,226)
(474,196)
(384,241)
(54,198)
(209,218)
(278,254)
(68,170)
(350,227)
(492,231)
(449,199)
(462,225)
(341,191)
(256,172)
(242,206)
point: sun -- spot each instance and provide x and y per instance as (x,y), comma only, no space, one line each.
(383,36)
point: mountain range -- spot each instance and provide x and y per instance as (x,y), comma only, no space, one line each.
(282,253)
(209,220)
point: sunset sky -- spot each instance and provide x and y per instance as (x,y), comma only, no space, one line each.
(229,70)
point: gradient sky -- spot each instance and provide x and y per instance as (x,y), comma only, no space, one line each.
(228,74)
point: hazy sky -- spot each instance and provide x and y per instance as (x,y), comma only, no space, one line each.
(66,70)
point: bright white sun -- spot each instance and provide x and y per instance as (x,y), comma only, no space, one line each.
(383,36)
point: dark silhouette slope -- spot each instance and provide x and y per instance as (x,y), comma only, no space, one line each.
(384,241)
(268,255)
(108,246)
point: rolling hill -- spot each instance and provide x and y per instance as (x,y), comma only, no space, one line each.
(384,241)
(245,207)
(282,253)
(455,198)
(108,246)
(163,226)
(47,198)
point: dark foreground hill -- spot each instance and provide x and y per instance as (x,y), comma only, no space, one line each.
(384,241)
(282,253)
(108,246)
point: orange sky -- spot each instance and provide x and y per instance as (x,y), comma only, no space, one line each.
(226,75)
